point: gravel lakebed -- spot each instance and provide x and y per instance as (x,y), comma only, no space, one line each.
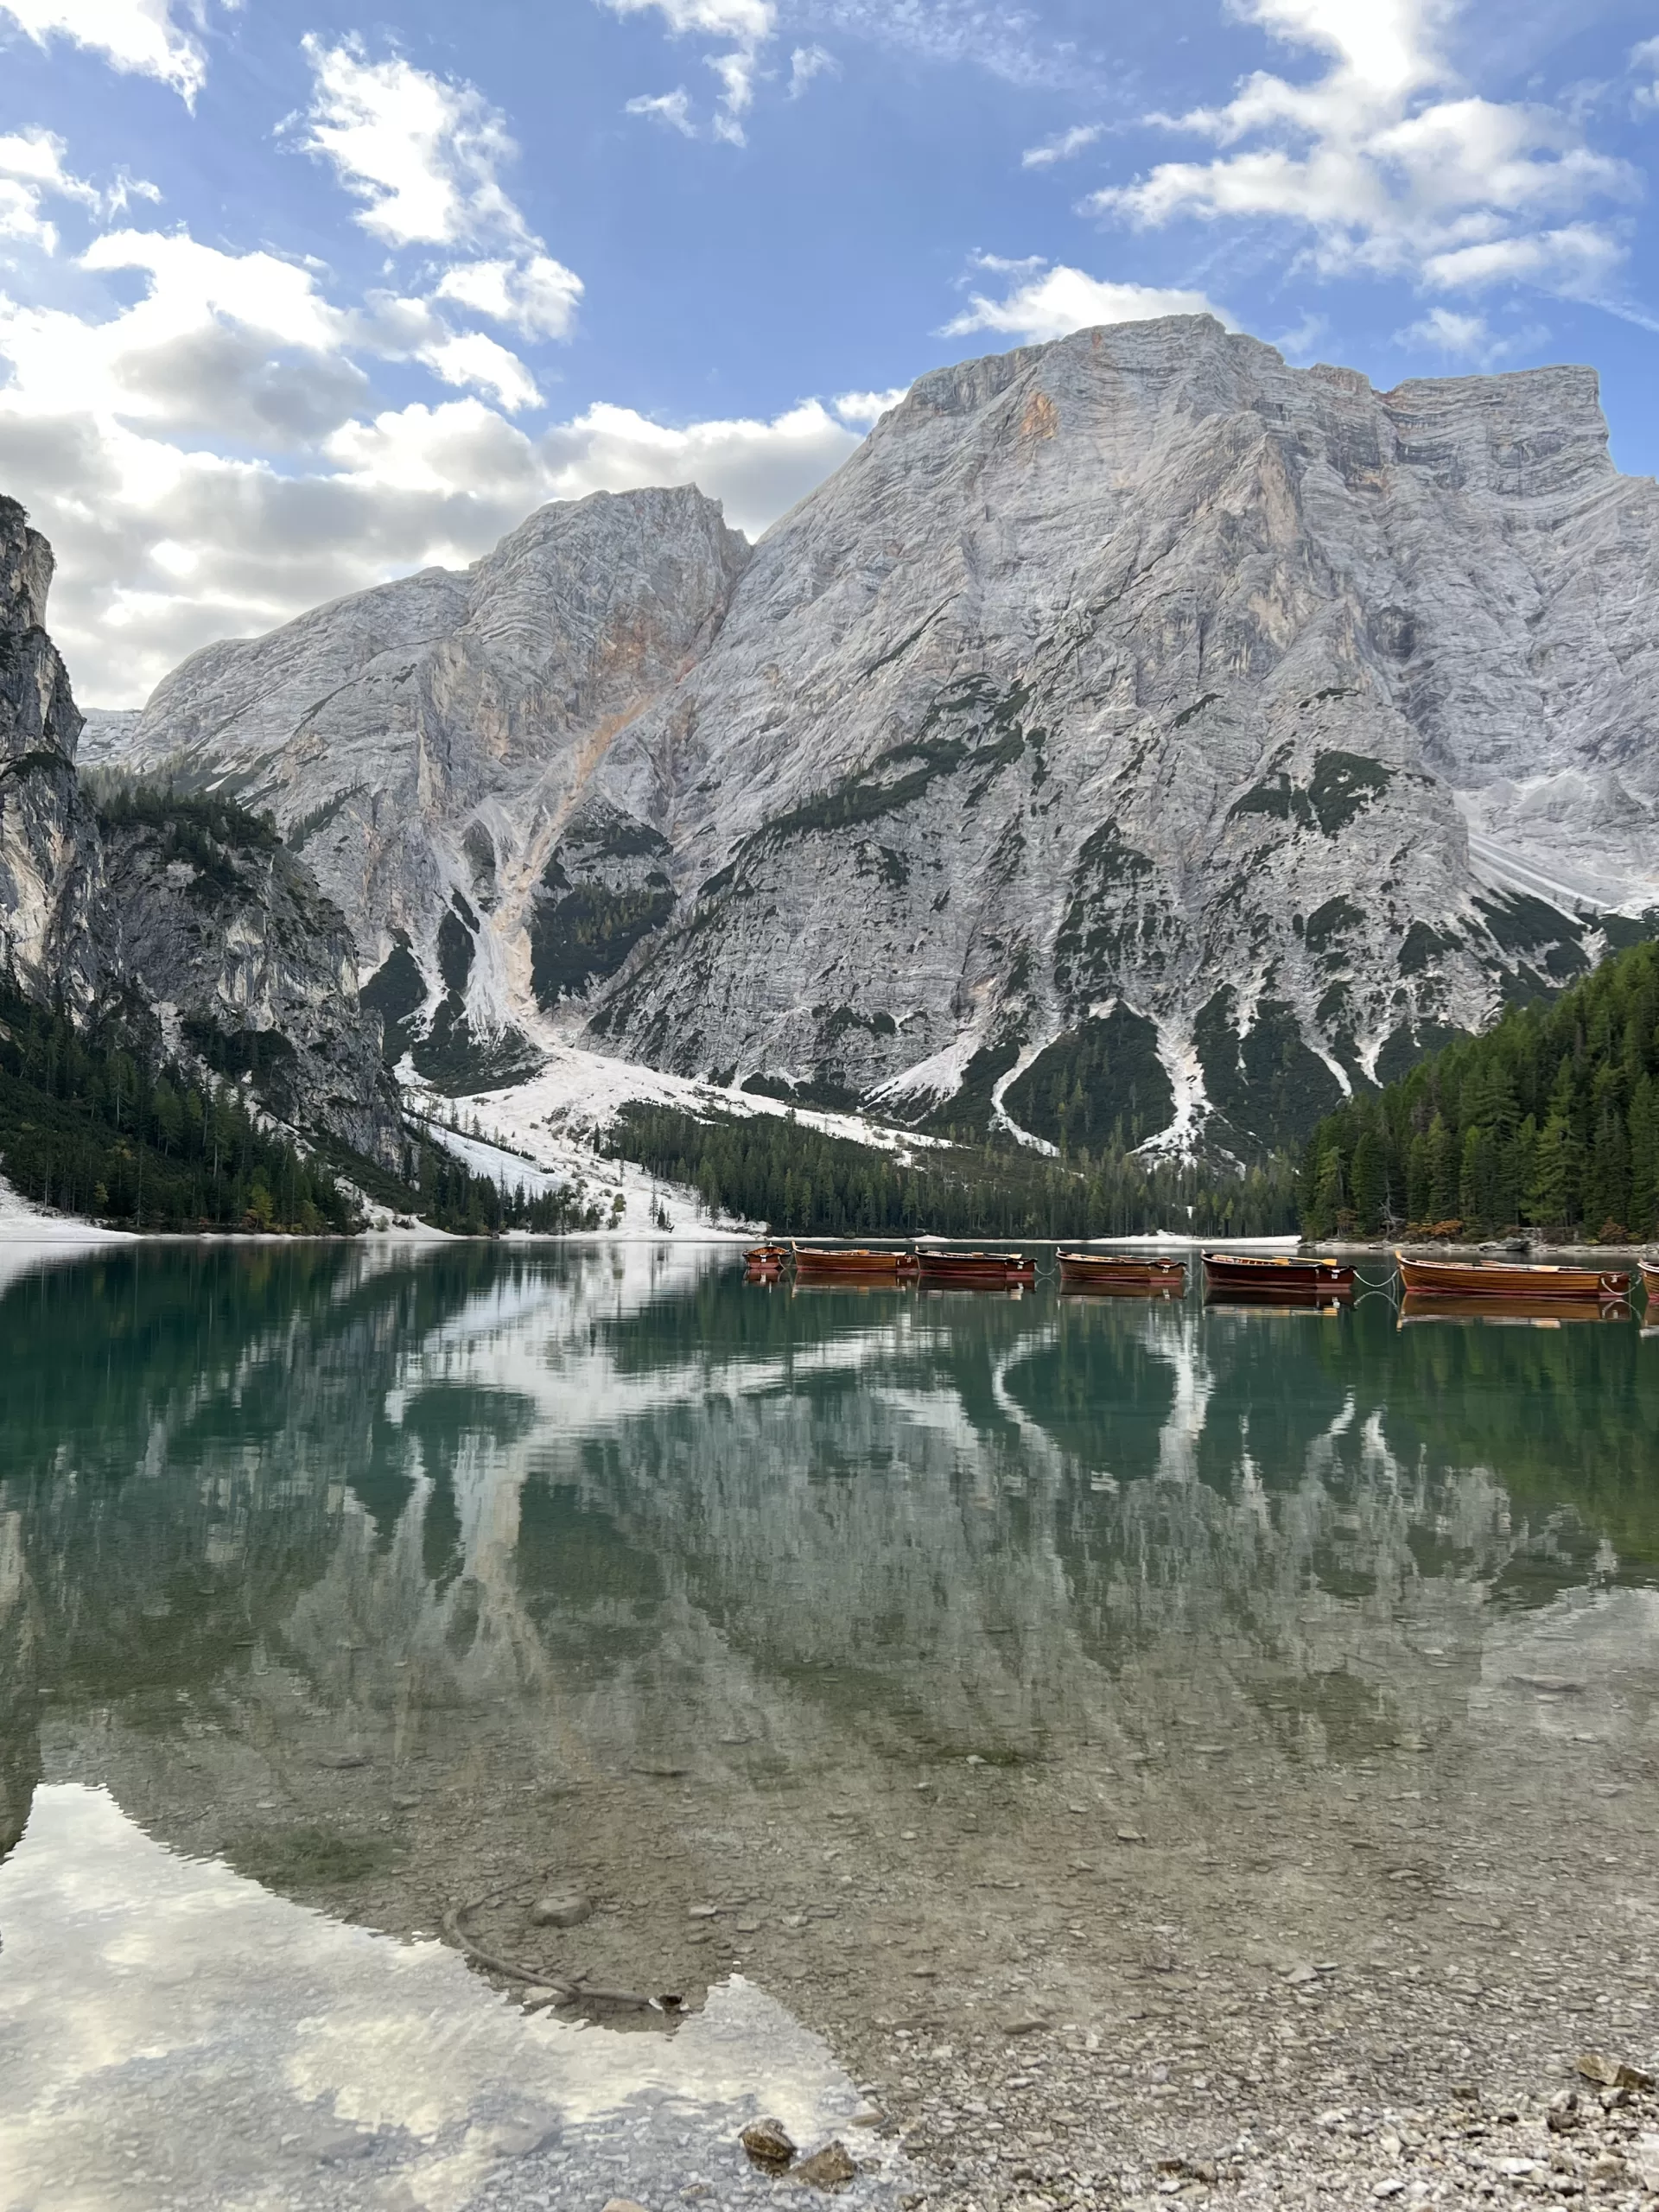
(1186,1960)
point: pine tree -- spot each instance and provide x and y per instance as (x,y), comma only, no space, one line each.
(1444,1164)
(1369,1183)
(1644,1125)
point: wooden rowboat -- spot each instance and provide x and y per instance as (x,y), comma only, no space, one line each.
(765,1259)
(1650,1278)
(974,1270)
(1120,1271)
(1510,1279)
(819,1263)
(1296,1278)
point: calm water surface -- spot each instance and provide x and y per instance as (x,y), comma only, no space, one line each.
(781,1625)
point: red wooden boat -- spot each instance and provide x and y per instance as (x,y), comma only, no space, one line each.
(1295,1277)
(823,1263)
(1121,1271)
(974,1270)
(1650,1278)
(1510,1279)
(765,1259)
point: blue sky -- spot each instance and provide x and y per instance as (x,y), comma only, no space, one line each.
(294,296)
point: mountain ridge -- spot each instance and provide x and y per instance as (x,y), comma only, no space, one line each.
(1103,740)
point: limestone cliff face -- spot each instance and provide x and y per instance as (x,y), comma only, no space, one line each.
(423,745)
(1136,734)
(1099,738)
(48,843)
(190,925)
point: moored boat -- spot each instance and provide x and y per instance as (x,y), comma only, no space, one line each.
(974,1270)
(1511,1278)
(1297,1278)
(819,1262)
(1650,1278)
(1121,1271)
(765,1259)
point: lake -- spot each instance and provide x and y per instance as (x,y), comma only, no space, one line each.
(1187,1720)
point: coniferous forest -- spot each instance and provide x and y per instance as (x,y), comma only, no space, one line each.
(1549,1121)
(801,1181)
(90,1126)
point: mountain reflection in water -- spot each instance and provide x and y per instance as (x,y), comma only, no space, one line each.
(619,1486)
(813,1638)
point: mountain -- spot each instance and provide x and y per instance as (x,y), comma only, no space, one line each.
(425,745)
(184,929)
(1136,739)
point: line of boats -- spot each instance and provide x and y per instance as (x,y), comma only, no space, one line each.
(1290,1278)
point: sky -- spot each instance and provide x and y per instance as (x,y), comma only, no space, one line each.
(294,297)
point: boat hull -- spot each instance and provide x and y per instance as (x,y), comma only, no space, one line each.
(1112,1272)
(974,1270)
(1296,1281)
(1650,1279)
(817,1265)
(1505,1279)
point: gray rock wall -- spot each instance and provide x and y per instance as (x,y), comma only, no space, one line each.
(193,928)
(48,840)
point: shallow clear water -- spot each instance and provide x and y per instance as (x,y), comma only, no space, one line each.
(780,1623)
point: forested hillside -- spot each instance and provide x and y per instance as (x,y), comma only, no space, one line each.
(89,1124)
(800,1181)
(1550,1121)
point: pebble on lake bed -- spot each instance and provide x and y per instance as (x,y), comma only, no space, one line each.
(560,1908)
(833,2167)
(769,2142)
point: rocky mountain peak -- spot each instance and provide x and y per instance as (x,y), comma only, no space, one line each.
(1137,732)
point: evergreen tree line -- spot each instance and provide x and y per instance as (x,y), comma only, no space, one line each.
(771,1168)
(1550,1120)
(88,1126)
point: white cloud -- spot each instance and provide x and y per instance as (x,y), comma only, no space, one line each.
(31,171)
(862,408)
(759,469)
(748,25)
(423,154)
(808,62)
(479,361)
(420,152)
(1645,58)
(538,296)
(138,37)
(1009,42)
(1301,341)
(1385,163)
(1050,302)
(1467,337)
(672,108)
(1062,148)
